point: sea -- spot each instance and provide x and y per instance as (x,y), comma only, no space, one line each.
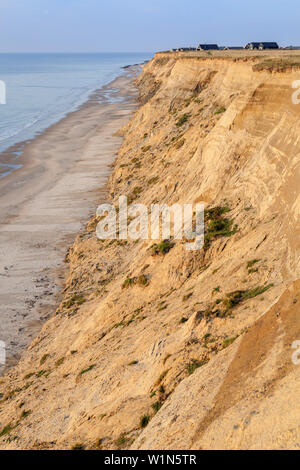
(40,89)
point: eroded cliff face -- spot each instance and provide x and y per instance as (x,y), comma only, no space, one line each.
(193,350)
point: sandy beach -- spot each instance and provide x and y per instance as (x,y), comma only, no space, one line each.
(45,203)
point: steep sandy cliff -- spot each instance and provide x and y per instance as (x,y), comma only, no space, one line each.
(165,348)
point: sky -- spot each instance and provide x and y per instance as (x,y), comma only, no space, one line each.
(143,26)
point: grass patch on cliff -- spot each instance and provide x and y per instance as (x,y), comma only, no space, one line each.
(194,364)
(75,300)
(217,225)
(250,265)
(134,194)
(6,430)
(182,120)
(144,421)
(42,373)
(153,180)
(141,281)
(156,406)
(25,413)
(222,308)
(122,441)
(228,341)
(187,296)
(133,363)
(44,359)
(162,306)
(179,144)
(78,447)
(162,248)
(59,362)
(235,298)
(88,369)
(220,110)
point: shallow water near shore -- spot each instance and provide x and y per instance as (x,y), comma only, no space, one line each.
(41,89)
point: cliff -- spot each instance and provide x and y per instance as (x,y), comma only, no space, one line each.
(165,348)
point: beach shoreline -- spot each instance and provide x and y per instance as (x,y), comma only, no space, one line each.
(45,203)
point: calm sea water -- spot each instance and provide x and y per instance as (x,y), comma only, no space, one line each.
(43,88)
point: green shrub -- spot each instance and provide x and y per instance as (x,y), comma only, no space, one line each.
(187,296)
(193,365)
(40,373)
(59,362)
(122,441)
(28,376)
(220,110)
(144,421)
(228,341)
(256,291)
(216,225)
(183,119)
(162,248)
(141,280)
(253,270)
(179,144)
(236,297)
(6,430)
(84,371)
(252,262)
(134,194)
(153,180)
(75,300)
(128,282)
(156,406)
(25,413)
(162,307)
(133,363)
(44,358)
(78,447)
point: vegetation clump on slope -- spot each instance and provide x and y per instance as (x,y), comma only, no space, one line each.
(217,225)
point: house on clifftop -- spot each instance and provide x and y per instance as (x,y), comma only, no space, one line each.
(207,47)
(261,45)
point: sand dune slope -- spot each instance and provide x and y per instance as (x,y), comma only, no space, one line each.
(181,349)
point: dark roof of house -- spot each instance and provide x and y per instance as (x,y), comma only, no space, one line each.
(255,44)
(207,47)
(267,45)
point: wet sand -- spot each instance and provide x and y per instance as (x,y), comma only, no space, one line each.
(44,204)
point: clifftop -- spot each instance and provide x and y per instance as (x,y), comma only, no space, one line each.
(200,355)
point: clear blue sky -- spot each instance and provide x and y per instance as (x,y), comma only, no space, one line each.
(139,25)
